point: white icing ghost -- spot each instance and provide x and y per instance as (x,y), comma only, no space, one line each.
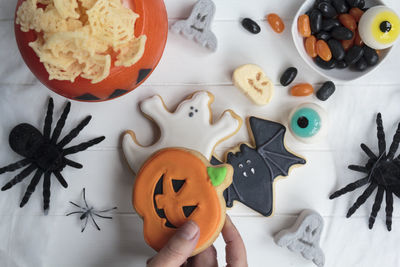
(189,127)
(304,236)
(197,26)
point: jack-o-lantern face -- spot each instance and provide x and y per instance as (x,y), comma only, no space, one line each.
(252,81)
(175,186)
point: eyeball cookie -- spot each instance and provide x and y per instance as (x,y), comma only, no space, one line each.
(379,27)
(177,185)
(308,123)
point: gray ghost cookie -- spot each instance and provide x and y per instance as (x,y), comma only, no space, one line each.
(303,237)
(197,26)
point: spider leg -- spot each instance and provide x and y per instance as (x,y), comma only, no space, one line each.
(350,187)
(368,152)
(380,135)
(104,217)
(61,179)
(83,146)
(49,119)
(15,166)
(74,212)
(31,188)
(60,123)
(94,221)
(395,144)
(74,132)
(76,205)
(389,209)
(85,224)
(73,163)
(84,198)
(19,177)
(376,207)
(107,210)
(46,192)
(358,168)
(361,199)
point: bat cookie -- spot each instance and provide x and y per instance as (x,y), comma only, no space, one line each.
(253,82)
(256,168)
(177,185)
(188,126)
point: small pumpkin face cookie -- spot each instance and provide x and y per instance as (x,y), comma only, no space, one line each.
(177,185)
(251,80)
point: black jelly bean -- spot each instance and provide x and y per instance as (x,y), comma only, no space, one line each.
(251,25)
(329,24)
(341,64)
(353,55)
(361,4)
(353,3)
(327,10)
(315,21)
(326,90)
(323,36)
(288,76)
(340,6)
(337,49)
(361,64)
(342,33)
(328,65)
(370,56)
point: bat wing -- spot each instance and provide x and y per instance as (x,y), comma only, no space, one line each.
(269,140)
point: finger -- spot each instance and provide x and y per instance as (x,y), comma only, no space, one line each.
(207,258)
(178,248)
(235,249)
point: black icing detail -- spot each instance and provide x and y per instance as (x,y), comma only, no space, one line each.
(177,184)
(188,210)
(142,75)
(385,26)
(253,181)
(190,114)
(158,190)
(302,122)
(117,93)
(87,97)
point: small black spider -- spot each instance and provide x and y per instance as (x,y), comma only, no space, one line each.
(89,212)
(383,172)
(43,154)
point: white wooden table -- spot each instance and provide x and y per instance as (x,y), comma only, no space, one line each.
(27,238)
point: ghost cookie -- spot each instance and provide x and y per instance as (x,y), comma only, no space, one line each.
(177,185)
(257,167)
(189,126)
(251,80)
(303,237)
(197,26)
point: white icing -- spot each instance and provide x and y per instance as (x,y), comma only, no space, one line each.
(179,129)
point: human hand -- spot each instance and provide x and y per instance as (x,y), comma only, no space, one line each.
(179,248)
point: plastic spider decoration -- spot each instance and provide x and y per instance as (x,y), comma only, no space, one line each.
(382,172)
(89,212)
(44,154)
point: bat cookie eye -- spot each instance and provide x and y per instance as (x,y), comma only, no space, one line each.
(379,27)
(308,122)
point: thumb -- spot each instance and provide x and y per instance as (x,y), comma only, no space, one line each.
(178,248)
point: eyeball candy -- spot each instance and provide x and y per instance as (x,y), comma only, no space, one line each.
(308,123)
(379,27)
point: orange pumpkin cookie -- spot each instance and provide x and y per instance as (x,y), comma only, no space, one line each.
(176,185)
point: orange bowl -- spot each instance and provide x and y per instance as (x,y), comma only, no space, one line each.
(152,22)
